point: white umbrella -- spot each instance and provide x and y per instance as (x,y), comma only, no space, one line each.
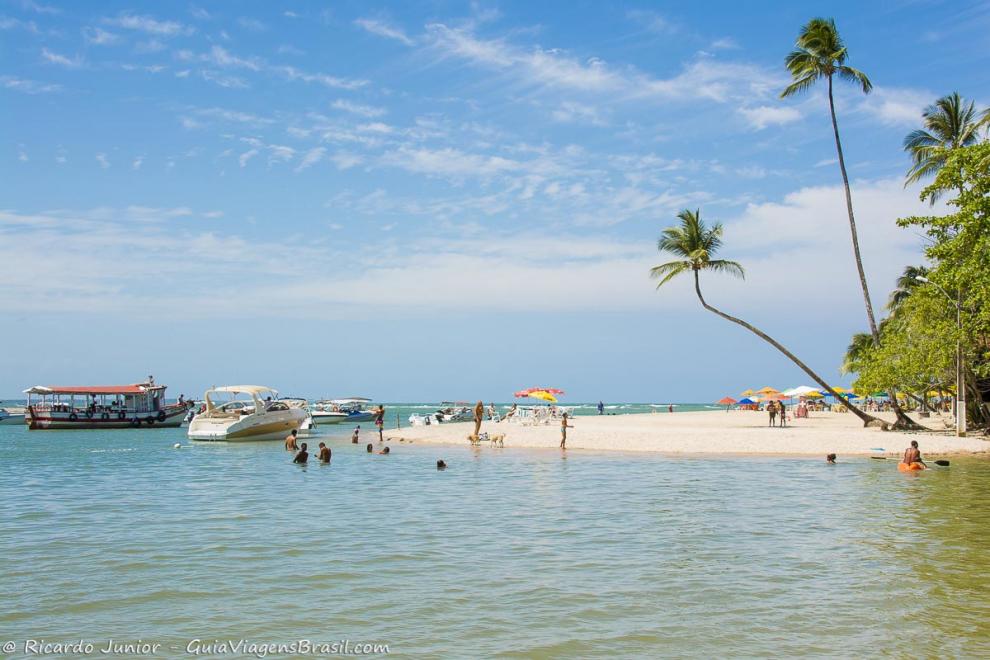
(801,391)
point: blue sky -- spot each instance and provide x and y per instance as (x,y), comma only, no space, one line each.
(446,200)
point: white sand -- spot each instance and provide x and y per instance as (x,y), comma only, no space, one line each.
(714,432)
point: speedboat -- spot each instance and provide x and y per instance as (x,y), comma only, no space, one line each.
(449,411)
(238,413)
(308,427)
(7,417)
(339,411)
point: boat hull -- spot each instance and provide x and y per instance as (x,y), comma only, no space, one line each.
(342,418)
(250,428)
(51,420)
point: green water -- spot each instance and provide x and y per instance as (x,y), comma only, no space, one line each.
(508,552)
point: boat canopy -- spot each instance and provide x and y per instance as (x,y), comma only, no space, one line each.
(352,399)
(93,389)
(243,389)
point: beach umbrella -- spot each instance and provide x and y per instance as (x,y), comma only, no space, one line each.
(746,402)
(726,401)
(814,394)
(767,390)
(799,391)
(543,395)
(841,390)
(775,396)
(748,393)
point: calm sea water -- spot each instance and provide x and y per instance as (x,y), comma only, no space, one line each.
(508,552)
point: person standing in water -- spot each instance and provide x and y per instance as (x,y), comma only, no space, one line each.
(290,441)
(563,431)
(324,455)
(354,436)
(479,414)
(302,456)
(380,421)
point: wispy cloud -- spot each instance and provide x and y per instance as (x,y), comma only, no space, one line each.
(896,106)
(137,163)
(99,37)
(357,108)
(572,112)
(221,58)
(52,57)
(762,116)
(246,156)
(37,7)
(28,86)
(383,29)
(149,25)
(251,24)
(651,21)
(312,157)
(102,159)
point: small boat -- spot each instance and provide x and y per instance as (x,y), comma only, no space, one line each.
(339,411)
(141,405)
(10,418)
(449,411)
(252,412)
(308,427)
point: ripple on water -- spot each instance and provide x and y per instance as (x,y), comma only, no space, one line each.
(510,552)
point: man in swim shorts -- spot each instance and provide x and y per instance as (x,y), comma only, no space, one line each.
(563,431)
(354,436)
(324,455)
(912,455)
(290,441)
(302,456)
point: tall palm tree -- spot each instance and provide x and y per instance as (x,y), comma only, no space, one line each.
(820,53)
(696,245)
(906,284)
(950,123)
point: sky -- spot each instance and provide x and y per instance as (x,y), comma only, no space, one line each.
(440,200)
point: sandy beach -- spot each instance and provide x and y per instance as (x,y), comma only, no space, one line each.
(714,432)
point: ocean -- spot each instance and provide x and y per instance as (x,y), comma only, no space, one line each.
(519,553)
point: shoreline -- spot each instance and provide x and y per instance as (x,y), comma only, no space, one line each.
(707,433)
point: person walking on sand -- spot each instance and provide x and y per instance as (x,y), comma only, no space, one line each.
(290,441)
(772,409)
(563,431)
(601,408)
(380,421)
(782,409)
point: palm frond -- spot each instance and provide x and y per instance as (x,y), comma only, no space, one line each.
(800,85)
(668,271)
(856,76)
(724,266)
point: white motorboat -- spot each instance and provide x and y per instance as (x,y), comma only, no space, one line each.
(308,427)
(250,412)
(11,417)
(449,411)
(339,411)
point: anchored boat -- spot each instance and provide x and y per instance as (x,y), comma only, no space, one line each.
(101,407)
(251,412)
(339,411)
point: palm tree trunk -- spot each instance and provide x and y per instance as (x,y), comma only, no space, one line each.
(868,420)
(903,421)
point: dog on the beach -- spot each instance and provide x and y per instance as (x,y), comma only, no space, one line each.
(497,440)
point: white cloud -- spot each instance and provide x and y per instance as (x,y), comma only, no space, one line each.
(149,25)
(213,214)
(383,29)
(310,158)
(22,154)
(101,158)
(199,13)
(251,24)
(357,108)
(573,112)
(651,21)
(760,117)
(99,37)
(345,161)
(725,43)
(246,156)
(28,86)
(895,106)
(137,162)
(61,60)
(150,46)
(39,8)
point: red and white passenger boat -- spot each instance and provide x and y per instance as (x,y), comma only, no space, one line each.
(101,407)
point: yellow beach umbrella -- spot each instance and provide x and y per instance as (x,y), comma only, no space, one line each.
(545,396)
(814,395)
(840,390)
(767,390)
(748,393)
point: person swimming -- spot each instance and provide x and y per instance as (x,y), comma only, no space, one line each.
(830,459)
(385,452)
(302,456)
(370,448)
(324,454)
(441,464)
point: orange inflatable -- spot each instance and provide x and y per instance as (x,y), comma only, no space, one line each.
(906,467)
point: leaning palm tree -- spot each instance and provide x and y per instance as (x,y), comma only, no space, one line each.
(696,245)
(950,123)
(820,54)
(906,284)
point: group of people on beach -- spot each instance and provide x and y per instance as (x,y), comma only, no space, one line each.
(775,409)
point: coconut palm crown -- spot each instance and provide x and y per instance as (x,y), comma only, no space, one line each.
(696,244)
(950,123)
(820,53)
